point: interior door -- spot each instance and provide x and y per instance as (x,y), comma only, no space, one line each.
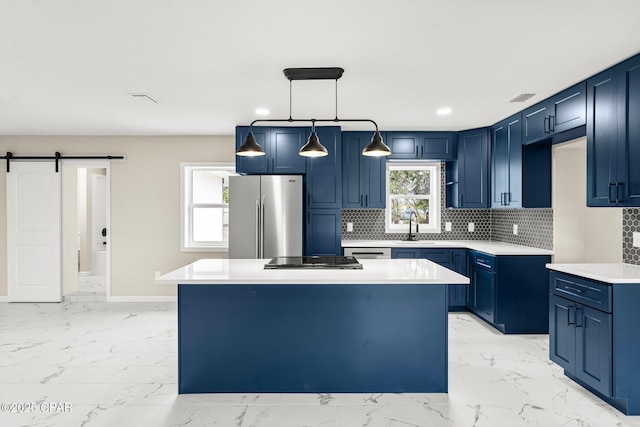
(34,256)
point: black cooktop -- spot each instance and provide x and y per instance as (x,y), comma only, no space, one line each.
(339,262)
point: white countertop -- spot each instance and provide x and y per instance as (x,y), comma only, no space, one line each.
(489,247)
(609,273)
(251,271)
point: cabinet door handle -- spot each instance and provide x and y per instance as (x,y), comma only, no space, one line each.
(421,151)
(578,317)
(546,125)
(571,310)
(611,184)
(366,200)
(618,185)
(552,123)
(416,151)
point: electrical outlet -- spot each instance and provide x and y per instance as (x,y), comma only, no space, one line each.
(471,227)
(349,226)
(515,228)
(636,240)
(447,226)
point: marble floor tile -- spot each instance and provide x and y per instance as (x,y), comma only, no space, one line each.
(116,363)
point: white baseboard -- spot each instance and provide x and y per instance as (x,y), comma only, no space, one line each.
(136,298)
(4,298)
(84,273)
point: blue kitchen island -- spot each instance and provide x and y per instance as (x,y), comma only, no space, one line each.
(379,329)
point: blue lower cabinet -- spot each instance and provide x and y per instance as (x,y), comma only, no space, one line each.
(500,294)
(597,347)
(405,253)
(453,259)
(458,293)
(323,227)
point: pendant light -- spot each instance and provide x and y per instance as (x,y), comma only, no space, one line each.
(376,147)
(250,148)
(313,147)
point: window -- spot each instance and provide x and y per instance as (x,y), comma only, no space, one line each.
(413,190)
(204,213)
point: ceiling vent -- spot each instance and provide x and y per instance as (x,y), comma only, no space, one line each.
(145,97)
(523,97)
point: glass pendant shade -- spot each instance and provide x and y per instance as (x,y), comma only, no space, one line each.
(376,147)
(313,148)
(250,148)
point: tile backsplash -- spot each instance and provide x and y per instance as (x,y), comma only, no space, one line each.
(368,224)
(630,224)
(535,226)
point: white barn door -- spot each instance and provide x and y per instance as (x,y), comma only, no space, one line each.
(34,226)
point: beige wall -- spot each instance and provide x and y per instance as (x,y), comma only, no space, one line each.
(145,204)
(581,234)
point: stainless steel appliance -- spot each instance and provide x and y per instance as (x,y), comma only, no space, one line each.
(369,253)
(265,216)
(299,262)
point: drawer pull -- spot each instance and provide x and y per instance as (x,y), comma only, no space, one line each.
(569,288)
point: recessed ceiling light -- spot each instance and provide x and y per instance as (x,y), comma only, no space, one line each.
(443,111)
(262,112)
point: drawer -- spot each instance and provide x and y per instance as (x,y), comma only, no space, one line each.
(588,292)
(436,255)
(482,260)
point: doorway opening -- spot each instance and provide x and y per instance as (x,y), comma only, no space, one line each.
(86,232)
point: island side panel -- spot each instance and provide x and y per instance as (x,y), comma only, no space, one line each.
(312,338)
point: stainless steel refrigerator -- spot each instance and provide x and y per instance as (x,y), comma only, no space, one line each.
(265,216)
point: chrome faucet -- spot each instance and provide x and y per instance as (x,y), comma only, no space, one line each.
(411,236)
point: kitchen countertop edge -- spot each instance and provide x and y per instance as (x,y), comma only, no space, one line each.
(489,247)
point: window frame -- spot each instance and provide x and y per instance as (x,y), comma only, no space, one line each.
(187,244)
(435,197)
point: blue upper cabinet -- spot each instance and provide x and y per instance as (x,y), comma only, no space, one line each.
(281,146)
(323,232)
(438,145)
(421,145)
(562,112)
(602,138)
(506,163)
(613,136)
(404,145)
(363,177)
(628,189)
(472,170)
(324,174)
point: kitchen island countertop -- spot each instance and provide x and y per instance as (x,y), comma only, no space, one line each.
(251,271)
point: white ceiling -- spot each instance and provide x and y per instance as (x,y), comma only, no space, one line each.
(67,66)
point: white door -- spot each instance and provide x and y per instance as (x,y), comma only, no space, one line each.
(34,232)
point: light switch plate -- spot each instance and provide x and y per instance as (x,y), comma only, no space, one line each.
(515,228)
(447,226)
(636,240)
(349,226)
(471,227)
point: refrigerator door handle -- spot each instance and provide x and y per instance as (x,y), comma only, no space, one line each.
(258,213)
(262,227)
